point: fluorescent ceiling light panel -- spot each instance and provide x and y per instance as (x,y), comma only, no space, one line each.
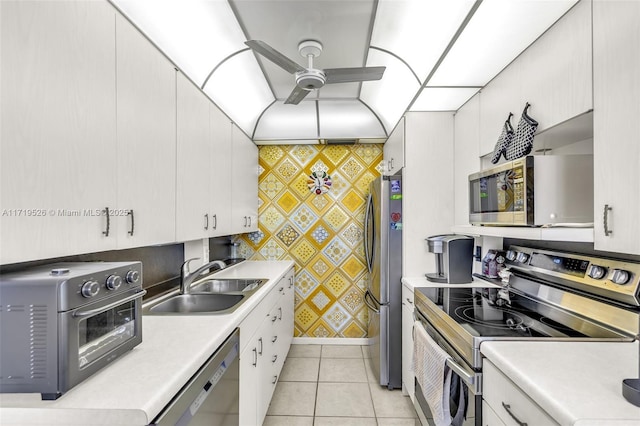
(196,34)
(443,98)
(390,96)
(418,31)
(496,34)
(282,121)
(239,88)
(348,119)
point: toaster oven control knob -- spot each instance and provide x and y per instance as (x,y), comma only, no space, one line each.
(597,272)
(522,257)
(620,276)
(113,282)
(511,255)
(132,277)
(90,288)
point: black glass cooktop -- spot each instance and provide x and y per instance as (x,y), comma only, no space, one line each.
(481,313)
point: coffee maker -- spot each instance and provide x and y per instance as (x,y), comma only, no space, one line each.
(454,258)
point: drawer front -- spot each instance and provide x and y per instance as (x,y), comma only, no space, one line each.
(407,296)
(489,417)
(511,405)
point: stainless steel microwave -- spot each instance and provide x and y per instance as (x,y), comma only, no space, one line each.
(536,190)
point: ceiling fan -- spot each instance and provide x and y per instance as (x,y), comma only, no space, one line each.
(310,78)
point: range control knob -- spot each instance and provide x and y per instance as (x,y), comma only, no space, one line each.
(132,277)
(511,255)
(113,282)
(522,257)
(90,289)
(620,276)
(597,272)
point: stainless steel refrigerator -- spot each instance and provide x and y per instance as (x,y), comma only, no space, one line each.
(383,252)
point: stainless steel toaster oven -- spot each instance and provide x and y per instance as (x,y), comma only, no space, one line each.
(60,323)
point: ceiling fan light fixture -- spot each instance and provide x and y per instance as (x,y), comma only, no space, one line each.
(310,79)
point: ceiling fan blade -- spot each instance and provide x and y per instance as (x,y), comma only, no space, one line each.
(297,94)
(348,75)
(274,56)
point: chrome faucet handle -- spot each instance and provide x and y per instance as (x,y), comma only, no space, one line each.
(185,266)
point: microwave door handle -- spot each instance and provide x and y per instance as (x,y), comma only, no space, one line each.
(81,314)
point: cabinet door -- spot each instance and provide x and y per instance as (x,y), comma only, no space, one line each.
(616,66)
(407,342)
(194,162)
(221,198)
(57,149)
(146,122)
(393,151)
(249,376)
(465,155)
(244,185)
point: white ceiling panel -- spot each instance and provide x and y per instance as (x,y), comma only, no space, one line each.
(282,121)
(341,26)
(496,34)
(443,98)
(196,34)
(239,88)
(349,119)
(391,96)
(418,31)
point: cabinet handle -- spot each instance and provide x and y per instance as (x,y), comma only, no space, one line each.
(274,318)
(275,379)
(273,340)
(290,282)
(106,213)
(280,317)
(391,164)
(507,407)
(260,351)
(215,221)
(275,358)
(605,219)
(249,221)
(130,232)
(206,221)
(245,221)
(409,300)
(281,289)
(255,357)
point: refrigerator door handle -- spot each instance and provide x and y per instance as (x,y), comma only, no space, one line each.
(366,298)
(368,223)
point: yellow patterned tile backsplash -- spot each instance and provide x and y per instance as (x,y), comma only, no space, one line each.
(322,234)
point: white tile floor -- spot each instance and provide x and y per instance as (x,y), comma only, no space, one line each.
(334,385)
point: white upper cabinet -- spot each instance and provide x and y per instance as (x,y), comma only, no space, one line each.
(194,162)
(146,135)
(244,183)
(465,155)
(616,71)
(553,75)
(58,114)
(220,165)
(393,154)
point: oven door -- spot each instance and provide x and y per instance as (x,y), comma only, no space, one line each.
(94,335)
(470,379)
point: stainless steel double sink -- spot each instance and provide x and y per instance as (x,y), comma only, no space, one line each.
(207,296)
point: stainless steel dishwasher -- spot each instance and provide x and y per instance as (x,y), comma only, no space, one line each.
(212,395)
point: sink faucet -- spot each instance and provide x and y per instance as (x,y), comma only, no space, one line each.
(186,278)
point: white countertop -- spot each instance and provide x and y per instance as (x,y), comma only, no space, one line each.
(413,282)
(137,386)
(576,383)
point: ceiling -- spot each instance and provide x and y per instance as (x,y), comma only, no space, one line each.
(437,54)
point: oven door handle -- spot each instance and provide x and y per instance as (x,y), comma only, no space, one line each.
(81,314)
(468,379)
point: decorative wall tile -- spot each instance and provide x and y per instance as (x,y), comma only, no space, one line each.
(322,234)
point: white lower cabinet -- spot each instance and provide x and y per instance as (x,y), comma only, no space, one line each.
(408,383)
(508,402)
(489,417)
(265,337)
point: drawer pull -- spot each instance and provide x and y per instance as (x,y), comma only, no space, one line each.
(274,318)
(273,340)
(275,379)
(410,301)
(255,357)
(280,316)
(260,351)
(507,407)
(275,358)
